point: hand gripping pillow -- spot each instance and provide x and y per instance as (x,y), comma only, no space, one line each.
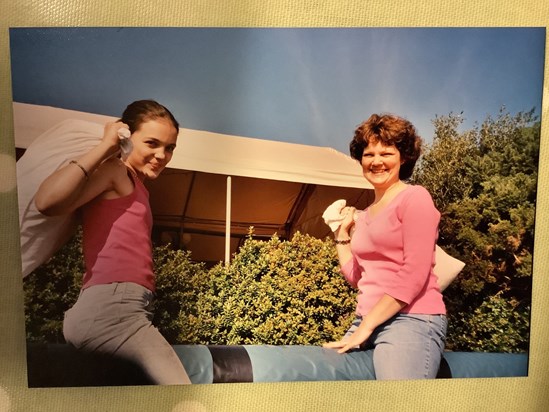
(42,236)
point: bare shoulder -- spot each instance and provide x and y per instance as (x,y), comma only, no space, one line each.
(114,175)
(112,166)
(112,170)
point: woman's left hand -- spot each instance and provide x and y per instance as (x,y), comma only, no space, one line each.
(359,336)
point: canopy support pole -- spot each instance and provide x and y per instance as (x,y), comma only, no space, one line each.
(228,223)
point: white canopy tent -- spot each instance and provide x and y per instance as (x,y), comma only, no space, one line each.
(218,186)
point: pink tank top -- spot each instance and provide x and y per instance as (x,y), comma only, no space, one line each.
(117,239)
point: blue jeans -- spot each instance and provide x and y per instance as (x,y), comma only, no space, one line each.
(407,346)
(115,319)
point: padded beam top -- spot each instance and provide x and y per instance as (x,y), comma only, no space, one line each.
(62,366)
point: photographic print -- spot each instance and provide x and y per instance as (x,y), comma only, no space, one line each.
(247,276)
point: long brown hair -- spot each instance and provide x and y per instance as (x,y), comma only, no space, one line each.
(142,111)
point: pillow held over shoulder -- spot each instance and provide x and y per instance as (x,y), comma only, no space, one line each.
(42,236)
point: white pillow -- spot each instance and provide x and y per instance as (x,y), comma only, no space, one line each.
(446,267)
(42,236)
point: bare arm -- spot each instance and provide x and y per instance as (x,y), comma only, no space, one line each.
(68,188)
(382,311)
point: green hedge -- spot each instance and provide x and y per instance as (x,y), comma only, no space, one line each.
(273,292)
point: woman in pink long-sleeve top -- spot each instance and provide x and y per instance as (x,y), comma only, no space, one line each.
(390,258)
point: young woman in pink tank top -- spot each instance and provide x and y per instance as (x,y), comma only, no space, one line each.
(390,258)
(112,315)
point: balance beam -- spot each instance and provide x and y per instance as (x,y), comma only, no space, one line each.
(59,365)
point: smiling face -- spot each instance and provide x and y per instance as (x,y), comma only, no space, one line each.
(391,131)
(153,146)
(381,165)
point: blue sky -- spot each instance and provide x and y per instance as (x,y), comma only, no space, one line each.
(309,86)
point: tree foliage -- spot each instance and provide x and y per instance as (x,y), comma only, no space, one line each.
(484,183)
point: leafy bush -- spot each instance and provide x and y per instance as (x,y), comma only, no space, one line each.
(274,292)
(52,289)
(179,283)
(497,325)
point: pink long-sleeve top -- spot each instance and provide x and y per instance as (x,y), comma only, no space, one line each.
(394,254)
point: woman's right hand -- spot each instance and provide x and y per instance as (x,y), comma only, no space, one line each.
(348,221)
(110,136)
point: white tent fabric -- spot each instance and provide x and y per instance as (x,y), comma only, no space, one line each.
(276,187)
(218,153)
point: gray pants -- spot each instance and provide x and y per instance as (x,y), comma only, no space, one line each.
(115,319)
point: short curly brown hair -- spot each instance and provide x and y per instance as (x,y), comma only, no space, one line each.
(389,130)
